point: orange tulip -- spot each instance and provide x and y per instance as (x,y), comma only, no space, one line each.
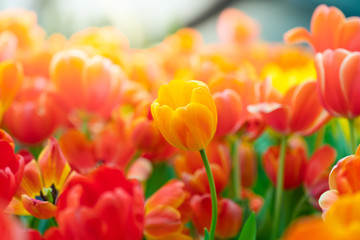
(229,216)
(341,222)
(189,166)
(338,81)
(185,114)
(42,179)
(167,211)
(11,78)
(11,169)
(343,180)
(90,84)
(234,26)
(329,30)
(299,111)
(22,24)
(295,164)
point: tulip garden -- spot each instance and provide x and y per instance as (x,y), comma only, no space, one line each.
(239,139)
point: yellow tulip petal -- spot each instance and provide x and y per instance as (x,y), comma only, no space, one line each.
(194,126)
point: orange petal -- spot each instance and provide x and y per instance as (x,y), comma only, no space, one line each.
(53,165)
(349,34)
(162,220)
(31,183)
(297,35)
(38,208)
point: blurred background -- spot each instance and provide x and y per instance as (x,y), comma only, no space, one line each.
(147,22)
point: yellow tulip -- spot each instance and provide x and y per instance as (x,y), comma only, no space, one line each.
(185,114)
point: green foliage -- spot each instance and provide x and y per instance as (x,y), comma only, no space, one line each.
(249,229)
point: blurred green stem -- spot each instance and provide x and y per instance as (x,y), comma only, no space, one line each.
(236,167)
(279,187)
(212,193)
(352,135)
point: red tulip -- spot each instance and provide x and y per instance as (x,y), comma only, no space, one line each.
(317,173)
(11,169)
(102,205)
(189,166)
(299,111)
(229,216)
(36,107)
(295,164)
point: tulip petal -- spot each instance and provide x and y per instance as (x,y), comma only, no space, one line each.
(194,126)
(297,35)
(349,34)
(162,221)
(319,163)
(350,82)
(38,208)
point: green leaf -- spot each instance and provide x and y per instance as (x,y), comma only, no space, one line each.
(206,234)
(162,172)
(249,230)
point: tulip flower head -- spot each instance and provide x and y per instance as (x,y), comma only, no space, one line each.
(339,82)
(329,30)
(185,114)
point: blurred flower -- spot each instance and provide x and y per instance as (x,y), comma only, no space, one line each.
(185,114)
(22,24)
(229,110)
(250,92)
(229,216)
(299,111)
(88,84)
(338,81)
(317,173)
(107,41)
(36,106)
(146,135)
(11,169)
(295,163)
(11,78)
(140,170)
(248,164)
(287,67)
(11,229)
(8,45)
(343,180)
(341,222)
(189,166)
(329,30)
(234,26)
(167,211)
(102,205)
(42,183)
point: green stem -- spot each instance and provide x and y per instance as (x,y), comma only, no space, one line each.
(319,138)
(212,193)
(352,135)
(298,207)
(279,187)
(236,167)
